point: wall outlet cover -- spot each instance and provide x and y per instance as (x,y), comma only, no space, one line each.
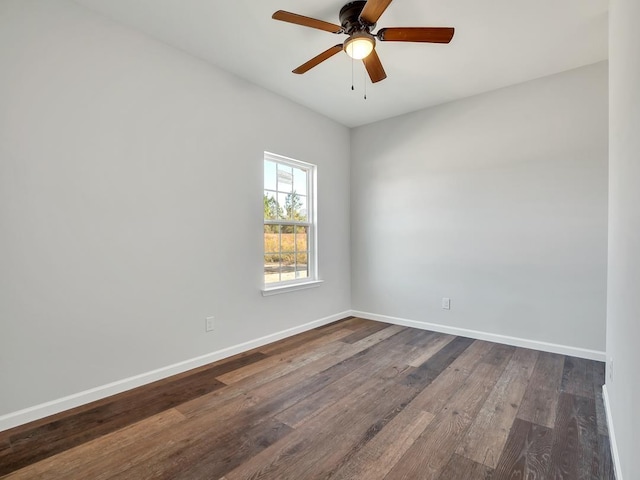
(209,324)
(446,303)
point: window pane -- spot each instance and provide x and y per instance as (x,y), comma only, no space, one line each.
(271,269)
(271,239)
(300,181)
(288,229)
(288,246)
(287,267)
(300,212)
(272,259)
(293,203)
(301,239)
(302,270)
(270,206)
(269,175)
(285,178)
(282,204)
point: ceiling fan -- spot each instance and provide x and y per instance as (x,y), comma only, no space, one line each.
(357,20)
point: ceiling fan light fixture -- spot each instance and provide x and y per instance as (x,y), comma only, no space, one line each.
(357,20)
(359,45)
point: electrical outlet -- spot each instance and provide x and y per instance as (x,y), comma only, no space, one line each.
(208,327)
(446,303)
(610,370)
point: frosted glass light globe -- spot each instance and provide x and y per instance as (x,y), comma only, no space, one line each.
(359,45)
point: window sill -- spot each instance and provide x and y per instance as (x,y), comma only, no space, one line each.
(267,292)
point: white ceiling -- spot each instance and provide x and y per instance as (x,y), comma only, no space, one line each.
(497,43)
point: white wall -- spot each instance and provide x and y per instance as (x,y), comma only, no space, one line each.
(499,202)
(131,204)
(623,302)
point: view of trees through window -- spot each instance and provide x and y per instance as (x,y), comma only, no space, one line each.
(286,221)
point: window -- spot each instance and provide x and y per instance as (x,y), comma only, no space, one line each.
(289,222)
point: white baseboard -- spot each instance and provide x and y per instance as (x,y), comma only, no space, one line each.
(612,435)
(490,337)
(37,412)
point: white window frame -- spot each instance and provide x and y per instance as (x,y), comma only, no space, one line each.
(312,229)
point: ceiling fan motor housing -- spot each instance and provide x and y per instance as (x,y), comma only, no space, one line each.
(350,18)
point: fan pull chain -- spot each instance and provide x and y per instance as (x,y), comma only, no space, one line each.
(365,87)
(352,74)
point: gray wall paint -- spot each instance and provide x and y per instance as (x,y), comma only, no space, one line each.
(130,204)
(499,202)
(623,302)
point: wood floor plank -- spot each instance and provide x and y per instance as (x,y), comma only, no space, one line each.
(437,394)
(605,463)
(564,457)
(431,452)
(204,452)
(418,338)
(601,415)
(267,384)
(526,452)
(464,469)
(132,396)
(429,370)
(436,344)
(213,462)
(411,343)
(488,433)
(360,416)
(6,452)
(192,441)
(377,457)
(233,417)
(577,377)
(317,402)
(417,350)
(5,445)
(574,449)
(294,341)
(588,462)
(270,399)
(343,361)
(365,332)
(338,324)
(395,403)
(541,398)
(334,459)
(598,382)
(289,343)
(379,336)
(294,354)
(355,323)
(375,363)
(33,445)
(598,375)
(281,375)
(104,456)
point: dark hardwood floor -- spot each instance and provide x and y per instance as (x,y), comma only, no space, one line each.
(355,399)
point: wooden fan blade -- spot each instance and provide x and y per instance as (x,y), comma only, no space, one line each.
(416,34)
(306,21)
(374,67)
(373,9)
(305,67)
